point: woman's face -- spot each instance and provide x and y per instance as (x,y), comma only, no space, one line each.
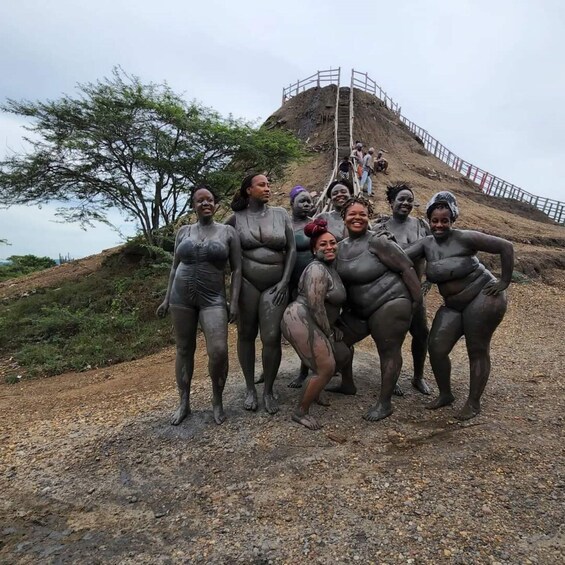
(325,248)
(339,195)
(302,205)
(356,219)
(441,223)
(260,189)
(403,204)
(204,203)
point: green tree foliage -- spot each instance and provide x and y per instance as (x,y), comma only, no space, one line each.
(137,147)
(23,265)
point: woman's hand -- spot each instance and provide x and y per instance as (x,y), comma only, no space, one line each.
(280,291)
(233,313)
(493,288)
(163,309)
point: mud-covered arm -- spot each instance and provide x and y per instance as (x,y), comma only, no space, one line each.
(235,267)
(315,284)
(280,290)
(392,255)
(231,221)
(492,244)
(416,251)
(163,308)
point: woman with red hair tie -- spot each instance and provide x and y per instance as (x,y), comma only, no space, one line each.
(308,322)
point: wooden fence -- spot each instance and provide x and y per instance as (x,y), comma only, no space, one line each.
(329,76)
(487,182)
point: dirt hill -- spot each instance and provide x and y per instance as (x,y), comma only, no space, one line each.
(91,470)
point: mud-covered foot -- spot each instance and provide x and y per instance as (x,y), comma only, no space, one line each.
(440,401)
(468,411)
(250,402)
(219,414)
(397,391)
(271,405)
(261,379)
(421,385)
(343,388)
(182,412)
(378,412)
(297,382)
(323,400)
(306,420)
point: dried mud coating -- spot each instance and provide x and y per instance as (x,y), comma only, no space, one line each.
(308,325)
(406,231)
(268,256)
(379,304)
(474,303)
(335,223)
(196,295)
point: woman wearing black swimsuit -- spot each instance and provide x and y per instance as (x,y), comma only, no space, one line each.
(196,293)
(268,257)
(474,301)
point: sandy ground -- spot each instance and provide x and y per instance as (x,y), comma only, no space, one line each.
(91,470)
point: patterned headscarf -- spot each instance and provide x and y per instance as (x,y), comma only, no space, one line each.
(444,197)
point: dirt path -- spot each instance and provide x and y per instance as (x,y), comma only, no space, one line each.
(92,471)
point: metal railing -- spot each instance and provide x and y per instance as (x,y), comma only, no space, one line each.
(487,182)
(329,76)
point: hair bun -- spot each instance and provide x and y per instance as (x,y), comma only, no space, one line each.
(316,228)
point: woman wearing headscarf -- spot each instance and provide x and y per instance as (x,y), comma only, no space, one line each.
(474,300)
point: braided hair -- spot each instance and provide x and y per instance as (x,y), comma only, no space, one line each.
(357,199)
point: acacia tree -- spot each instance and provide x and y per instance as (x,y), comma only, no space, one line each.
(137,147)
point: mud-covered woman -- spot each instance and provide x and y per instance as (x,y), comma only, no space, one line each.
(301,207)
(196,294)
(474,300)
(406,231)
(308,322)
(268,257)
(383,290)
(339,191)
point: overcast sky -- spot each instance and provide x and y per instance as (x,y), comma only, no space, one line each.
(486,78)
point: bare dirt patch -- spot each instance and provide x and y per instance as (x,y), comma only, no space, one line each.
(91,469)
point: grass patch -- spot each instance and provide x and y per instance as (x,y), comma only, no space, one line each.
(104,318)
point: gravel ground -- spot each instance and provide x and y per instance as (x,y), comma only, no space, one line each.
(91,471)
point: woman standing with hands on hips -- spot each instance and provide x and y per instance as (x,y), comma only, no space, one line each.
(196,293)
(268,256)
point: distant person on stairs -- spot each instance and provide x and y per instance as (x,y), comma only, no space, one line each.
(368,170)
(344,168)
(357,158)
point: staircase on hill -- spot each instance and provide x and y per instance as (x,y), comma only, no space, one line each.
(343,124)
(485,181)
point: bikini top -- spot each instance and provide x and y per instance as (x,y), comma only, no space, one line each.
(252,238)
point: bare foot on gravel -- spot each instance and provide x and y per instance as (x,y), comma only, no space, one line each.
(440,401)
(378,412)
(182,412)
(219,414)
(341,388)
(271,405)
(307,421)
(421,385)
(250,402)
(468,411)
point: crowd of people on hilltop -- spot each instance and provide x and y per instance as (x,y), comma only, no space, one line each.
(363,164)
(325,283)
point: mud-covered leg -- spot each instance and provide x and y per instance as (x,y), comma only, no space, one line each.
(214,323)
(302,376)
(389,325)
(248,327)
(185,323)
(480,320)
(420,334)
(447,328)
(270,317)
